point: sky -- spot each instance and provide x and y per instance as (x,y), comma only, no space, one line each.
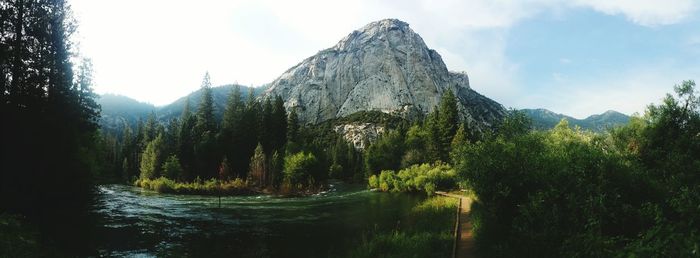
(576,57)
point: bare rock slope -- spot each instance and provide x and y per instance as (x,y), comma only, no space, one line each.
(384,66)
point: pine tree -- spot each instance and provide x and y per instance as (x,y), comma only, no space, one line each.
(149,129)
(447,123)
(460,137)
(250,128)
(279,123)
(231,134)
(205,112)
(186,142)
(172,168)
(86,97)
(152,158)
(258,167)
(292,133)
(267,129)
(46,115)
(433,145)
(234,108)
(205,148)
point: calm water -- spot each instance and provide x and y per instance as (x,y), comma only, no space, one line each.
(134,222)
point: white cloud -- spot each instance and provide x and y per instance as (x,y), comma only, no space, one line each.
(645,12)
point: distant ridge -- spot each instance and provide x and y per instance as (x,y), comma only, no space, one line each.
(545,119)
(118,110)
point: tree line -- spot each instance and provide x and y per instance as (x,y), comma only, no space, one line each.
(256,140)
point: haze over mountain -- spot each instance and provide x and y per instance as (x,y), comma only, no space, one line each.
(117,109)
(385,66)
(545,119)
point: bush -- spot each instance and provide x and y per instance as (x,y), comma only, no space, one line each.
(300,167)
(208,187)
(417,178)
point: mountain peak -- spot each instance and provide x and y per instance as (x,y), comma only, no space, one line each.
(384,66)
(385,25)
(383,32)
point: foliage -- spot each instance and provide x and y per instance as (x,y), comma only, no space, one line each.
(384,154)
(569,193)
(201,187)
(300,167)
(448,121)
(172,168)
(424,178)
(50,146)
(427,233)
(258,167)
(152,158)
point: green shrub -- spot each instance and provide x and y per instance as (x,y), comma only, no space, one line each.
(299,167)
(417,178)
(208,187)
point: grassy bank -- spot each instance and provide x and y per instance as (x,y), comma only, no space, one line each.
(203,187)
(427,233)
(228,187)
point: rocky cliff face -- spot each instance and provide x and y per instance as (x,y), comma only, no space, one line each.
(384,66)
(359,134)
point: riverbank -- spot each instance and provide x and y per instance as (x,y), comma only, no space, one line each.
(234,187)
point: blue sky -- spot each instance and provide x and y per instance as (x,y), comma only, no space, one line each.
(577,57)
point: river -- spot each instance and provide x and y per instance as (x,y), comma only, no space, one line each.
(135,222)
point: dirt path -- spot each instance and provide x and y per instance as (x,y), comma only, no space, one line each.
(465,238)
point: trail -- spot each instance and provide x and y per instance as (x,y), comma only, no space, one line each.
(464,243)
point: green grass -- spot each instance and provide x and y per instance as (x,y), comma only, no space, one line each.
(203,187)
(427,233)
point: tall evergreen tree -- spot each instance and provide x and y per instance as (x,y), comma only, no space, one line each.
(258,167)
(250,125)
(292,133)
(46,115)
(85,95)
(205,112)
(279,124)
(267,128)
(205,133)
(186,142)
(152,159)
(448,120)
(433,145)
(231,134)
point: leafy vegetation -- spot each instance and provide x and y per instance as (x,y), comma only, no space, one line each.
(421,178)
(202,187)
(631,192)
